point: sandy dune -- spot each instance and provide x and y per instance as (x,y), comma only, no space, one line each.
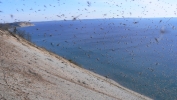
(28,72)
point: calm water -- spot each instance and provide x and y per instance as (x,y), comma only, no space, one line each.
(140,54)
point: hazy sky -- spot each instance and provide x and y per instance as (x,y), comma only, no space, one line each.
(44,10)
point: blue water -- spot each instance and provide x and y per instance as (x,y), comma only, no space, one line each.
(140,54)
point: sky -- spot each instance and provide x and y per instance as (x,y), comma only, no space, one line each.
(48,10)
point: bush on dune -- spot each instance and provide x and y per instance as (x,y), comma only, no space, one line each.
(24,35)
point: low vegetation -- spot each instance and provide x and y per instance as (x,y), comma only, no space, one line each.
(13,30)
(24,35)
(71,61)
(4,26)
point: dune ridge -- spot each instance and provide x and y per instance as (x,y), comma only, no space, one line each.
(28,72)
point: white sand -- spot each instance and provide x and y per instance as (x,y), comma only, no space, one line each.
(28,72)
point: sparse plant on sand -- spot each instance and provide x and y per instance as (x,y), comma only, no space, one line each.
(24,35)
(74,62)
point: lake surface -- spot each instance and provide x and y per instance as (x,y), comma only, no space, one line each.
(140,54)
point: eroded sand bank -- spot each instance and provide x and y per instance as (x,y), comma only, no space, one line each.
(28,72)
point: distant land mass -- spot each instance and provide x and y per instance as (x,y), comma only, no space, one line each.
(15,24)
(21,24)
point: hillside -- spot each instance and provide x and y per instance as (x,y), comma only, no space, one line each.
(28,72)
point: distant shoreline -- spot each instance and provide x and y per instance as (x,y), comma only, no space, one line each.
(25,24)
(18,24)
(21,24)
(11,26)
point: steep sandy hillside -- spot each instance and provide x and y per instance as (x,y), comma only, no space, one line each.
(28,72)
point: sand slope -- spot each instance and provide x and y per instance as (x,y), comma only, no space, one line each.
(28,72)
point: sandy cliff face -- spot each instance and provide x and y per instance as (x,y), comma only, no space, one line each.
(25,24)
(28,72)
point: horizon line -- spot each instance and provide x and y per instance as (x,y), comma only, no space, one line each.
(90,19)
